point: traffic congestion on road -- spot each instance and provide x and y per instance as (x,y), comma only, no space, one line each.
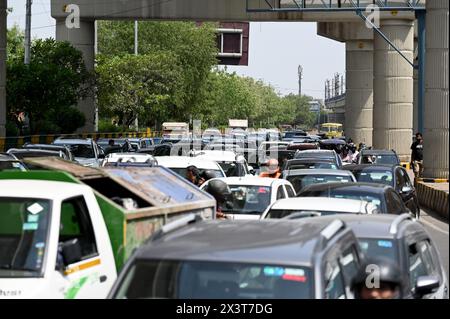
(242,215)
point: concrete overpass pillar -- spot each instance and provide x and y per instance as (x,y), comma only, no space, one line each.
(83,39)
(359,91)
(393,88)
(3,4)
(436,119)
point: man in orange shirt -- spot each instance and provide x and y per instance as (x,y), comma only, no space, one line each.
(273,169)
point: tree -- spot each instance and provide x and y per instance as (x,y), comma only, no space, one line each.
(47,89)
(15,38)
(143,86)
(192,47)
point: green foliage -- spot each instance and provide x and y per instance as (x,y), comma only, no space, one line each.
(15,38)
(143,86)
(47,88)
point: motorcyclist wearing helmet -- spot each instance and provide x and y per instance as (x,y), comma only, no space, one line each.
(378,278)
(222,193)
(205,176)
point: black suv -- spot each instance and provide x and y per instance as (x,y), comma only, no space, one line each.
(272,259)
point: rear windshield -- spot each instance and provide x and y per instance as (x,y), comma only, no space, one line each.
(214,280)
(375,199)
(282,213)
(300,181)
(377,177)
(380,159)
(182,172)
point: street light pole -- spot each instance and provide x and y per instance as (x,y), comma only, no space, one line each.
(28,32)
(300,77)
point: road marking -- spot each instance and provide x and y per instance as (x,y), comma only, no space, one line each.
(433,226)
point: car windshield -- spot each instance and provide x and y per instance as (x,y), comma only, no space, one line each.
(380,159)
(232,169)
(249,199)
(379,247)
(377,177)
(182,171)
(24,225)
(375,199)
(11,165)
(300,181)
(282,213)
(215,280)
(311,166)
(82,150)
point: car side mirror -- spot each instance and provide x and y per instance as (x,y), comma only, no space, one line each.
(406,190)
(251,170)
(71,251)
(425,285)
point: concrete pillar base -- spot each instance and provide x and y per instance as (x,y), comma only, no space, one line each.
(359,91)
(83,39)
(393,88)
(436,117)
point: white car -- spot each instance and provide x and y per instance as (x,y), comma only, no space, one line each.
(138,158)
(178,164)
(233,165)
(317,206)
(252,195)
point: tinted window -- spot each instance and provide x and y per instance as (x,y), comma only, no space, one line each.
(394,203)
(349,262)
(290,191)
(380,159)
(300,181)
(215,280)
(334,282)
(76,223)
(378,177)
(417,265)
(373,198)
(280,193)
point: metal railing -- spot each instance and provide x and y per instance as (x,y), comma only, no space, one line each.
(332,5)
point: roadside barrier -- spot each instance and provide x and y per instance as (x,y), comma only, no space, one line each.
(434,198)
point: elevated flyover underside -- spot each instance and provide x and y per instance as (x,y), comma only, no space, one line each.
(232,10)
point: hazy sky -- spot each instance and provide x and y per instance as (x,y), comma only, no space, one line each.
(276,50)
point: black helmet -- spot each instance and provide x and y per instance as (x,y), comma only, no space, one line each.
(388,271)
(219,190)
(207,175)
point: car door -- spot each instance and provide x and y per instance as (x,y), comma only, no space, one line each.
(408,192)
(83,278)
(420,262)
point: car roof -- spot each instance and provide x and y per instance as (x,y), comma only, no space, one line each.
(378,152)
(363,187)
(25,188)
(375,226)
(320,204)
(185,161)
(333,172)
(69,141)
(309,159)
(253,181)
(33,150)
(217,155)
(290,242)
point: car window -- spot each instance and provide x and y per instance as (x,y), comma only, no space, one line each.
(76,223)
(427,257)
(397,203)
(290,191)
(417,267)
(406,178)
(280,193)
(349,263)
(399,180)
(334,282)
(394,203)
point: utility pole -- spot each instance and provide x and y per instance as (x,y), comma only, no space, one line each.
(300,77)
(136,41)
(28,32)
